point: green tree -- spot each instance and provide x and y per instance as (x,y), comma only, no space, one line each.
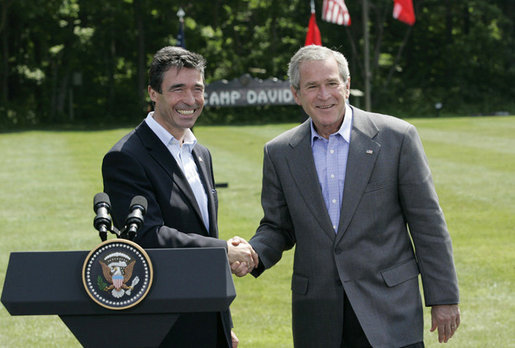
(85,61)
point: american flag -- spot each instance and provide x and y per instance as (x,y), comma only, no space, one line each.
(335,11)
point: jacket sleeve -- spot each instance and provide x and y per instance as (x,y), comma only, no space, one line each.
(426,223)
(275,232)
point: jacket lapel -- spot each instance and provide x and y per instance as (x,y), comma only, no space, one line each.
(158,151)
(205,175)
(303,170)
(363,152)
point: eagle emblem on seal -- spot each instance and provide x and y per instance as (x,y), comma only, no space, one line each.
(117,273)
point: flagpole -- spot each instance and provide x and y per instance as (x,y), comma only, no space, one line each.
(366,55)
(181,40)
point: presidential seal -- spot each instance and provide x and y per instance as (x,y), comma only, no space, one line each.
(117,274)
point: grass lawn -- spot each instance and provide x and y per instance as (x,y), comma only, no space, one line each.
(48,180)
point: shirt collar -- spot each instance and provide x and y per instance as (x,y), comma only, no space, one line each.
(344,131)
(168,139)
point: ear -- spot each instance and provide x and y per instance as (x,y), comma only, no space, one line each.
(347,89)
(295,95)
(152,94)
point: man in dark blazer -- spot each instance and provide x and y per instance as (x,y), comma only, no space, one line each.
(162,161)
(352,191)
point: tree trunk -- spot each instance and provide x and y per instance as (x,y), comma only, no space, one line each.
(63,93)
(448,21)
(398,56)
(4,72)
(138,12)
(366,53)
(380,20)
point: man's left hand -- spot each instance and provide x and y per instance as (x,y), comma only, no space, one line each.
(234,340)
(447,319)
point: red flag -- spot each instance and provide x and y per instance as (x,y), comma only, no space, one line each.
(403,11)
(335,11)
(313,36)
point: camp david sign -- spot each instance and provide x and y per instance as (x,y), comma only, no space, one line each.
(248,91)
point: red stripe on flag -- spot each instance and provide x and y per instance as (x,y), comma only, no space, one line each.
(335,11)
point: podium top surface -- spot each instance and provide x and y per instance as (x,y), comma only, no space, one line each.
(185,280)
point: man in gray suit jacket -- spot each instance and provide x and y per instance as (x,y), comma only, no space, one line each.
(352,191)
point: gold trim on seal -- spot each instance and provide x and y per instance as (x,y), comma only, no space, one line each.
(119,241)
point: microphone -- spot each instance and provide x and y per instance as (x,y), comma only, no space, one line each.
(102,209)
(134,221)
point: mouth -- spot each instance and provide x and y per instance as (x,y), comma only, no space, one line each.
(325,107)
(185,112)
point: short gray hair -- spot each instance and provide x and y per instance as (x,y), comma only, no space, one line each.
(311,53)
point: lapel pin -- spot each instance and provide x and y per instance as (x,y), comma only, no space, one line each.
(370,152)
(200,159)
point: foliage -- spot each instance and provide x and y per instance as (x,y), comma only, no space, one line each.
(85,61)
(102,285)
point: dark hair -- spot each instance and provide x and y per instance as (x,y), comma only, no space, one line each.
(168,57)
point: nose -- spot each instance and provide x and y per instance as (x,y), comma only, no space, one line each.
(189,97)
(323,93)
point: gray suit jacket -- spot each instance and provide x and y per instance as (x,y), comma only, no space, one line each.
(389,208)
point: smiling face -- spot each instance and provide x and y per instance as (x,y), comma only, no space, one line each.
(181,101)
(322,94)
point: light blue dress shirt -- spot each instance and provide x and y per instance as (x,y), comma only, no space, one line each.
(330,157)
(184,158)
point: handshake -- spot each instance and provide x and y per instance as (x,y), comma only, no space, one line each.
(242,257)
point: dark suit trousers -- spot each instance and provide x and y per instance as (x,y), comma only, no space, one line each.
(353,335)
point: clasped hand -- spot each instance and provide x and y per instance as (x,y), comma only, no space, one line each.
(242,257)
